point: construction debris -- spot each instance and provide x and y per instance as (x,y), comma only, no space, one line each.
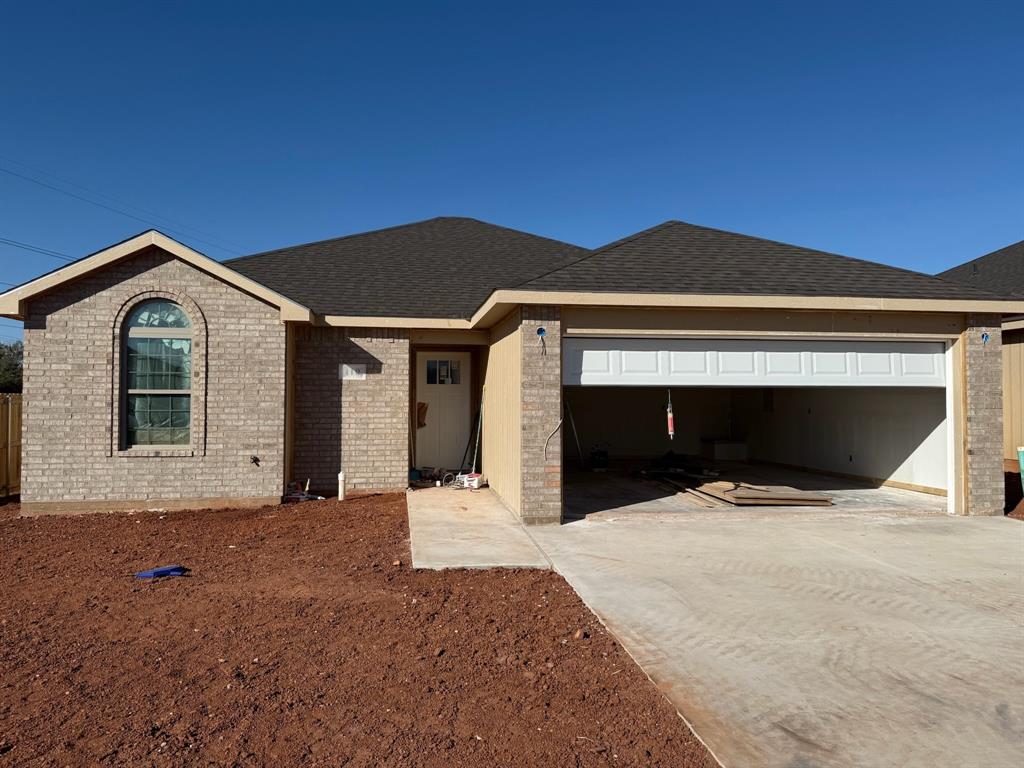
(705,485)
(296,492)
(744,494)
(162,572)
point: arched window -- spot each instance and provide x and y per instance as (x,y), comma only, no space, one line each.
(157,367)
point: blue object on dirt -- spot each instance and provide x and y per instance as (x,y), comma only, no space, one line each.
(159,573)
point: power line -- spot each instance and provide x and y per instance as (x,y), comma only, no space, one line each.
(115,200)
(84,199)
(36,249)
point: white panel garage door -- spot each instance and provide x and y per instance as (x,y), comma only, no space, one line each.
(753,362)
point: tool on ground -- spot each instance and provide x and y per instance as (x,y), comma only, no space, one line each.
(670,417)
(162,572)
(1020,462)
(296,492)
(472,479)
(476,437)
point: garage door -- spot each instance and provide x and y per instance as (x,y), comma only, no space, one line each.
(753,362)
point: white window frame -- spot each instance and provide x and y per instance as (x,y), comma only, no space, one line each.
(152,332)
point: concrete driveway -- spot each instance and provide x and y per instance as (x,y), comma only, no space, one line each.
(815,640)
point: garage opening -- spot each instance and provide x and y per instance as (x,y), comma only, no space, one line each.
(861,424)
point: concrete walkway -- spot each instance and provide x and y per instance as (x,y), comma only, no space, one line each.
(467,529)
(819,641)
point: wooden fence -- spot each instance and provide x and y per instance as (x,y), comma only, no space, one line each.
(10,445)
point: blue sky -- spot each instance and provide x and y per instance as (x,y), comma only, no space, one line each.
(888,131)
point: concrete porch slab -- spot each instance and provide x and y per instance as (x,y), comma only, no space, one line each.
(468,529)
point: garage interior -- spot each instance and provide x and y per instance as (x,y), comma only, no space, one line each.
(864,448)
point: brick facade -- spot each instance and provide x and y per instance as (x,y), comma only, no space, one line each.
(71,430)
(359,426)
(984,415)
(541,500)
(72,449)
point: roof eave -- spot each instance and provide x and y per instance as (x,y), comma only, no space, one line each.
(501,301)
(12,302)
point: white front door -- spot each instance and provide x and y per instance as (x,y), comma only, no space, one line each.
(442,385)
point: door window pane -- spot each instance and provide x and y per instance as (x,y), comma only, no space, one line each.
(444,372)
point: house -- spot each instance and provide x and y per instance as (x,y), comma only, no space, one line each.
(1002,272)
(158,377)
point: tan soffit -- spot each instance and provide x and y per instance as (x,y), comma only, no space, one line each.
(501,301)
(12,302)
(381,321)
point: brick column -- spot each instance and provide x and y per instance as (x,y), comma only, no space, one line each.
(375,410)
(541,411)
(984,415)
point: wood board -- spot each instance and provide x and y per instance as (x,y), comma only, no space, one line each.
(744,495)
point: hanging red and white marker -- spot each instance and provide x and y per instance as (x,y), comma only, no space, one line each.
(670,417)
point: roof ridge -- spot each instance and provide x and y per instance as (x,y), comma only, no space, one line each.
(722,241)
(341,237)
(401,226)
(517,231)
(596,251)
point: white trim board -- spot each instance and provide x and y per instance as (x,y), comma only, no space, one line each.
(12,301)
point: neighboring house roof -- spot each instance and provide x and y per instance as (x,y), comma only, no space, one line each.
(12,302)
(1001,271)
(440,268)
(676,257)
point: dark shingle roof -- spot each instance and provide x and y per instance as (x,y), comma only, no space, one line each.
(442,268)
(676,257)
(1001,271)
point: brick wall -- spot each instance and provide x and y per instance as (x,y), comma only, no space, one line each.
(361,426)
(72,391)
(541,495)
(984,415)
(317,409)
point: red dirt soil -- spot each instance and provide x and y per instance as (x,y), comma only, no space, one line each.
(295,640)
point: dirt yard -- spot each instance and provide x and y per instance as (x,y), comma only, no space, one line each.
(297,640)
